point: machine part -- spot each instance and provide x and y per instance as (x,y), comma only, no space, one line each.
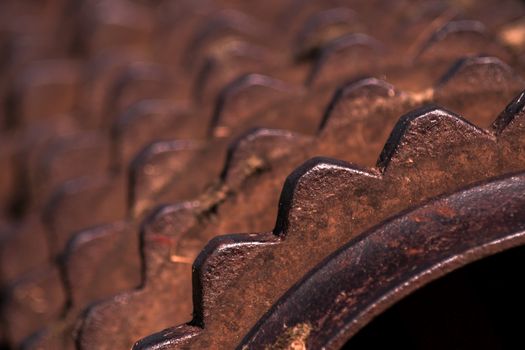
(388,262)
(325,203)
(80,192)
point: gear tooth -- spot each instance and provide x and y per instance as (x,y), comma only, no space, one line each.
(422,131)
(174,337)
(32,89)
(480,82)
(473,74)
(145,122)
(220,262)
(356,93)
(333,53)
(309,189)
(139,80)
(262,90)
(252,150)
(65,211)
(316,30)
(153,169)
(88,236)
(224,23)
(29,238)
(82,262)
(471,36)
(311,182)
(101,73)
(81,154)
(96,318)
(64,193)
(98,31)
(161,234)
(512,116)
(111,248)
(33,300)
(219,68)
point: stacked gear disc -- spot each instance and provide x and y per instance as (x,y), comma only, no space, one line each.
(366,149)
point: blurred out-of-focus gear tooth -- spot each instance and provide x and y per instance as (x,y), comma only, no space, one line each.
(105,255)
(114,243)
(68,158)
(461,37)
(65,211)
(467,73)
(159,234)
(295,13)
(176,25)
(354,94)
(244,96)
(114,23)
(427,127)
(138,81)
(28,237)
(149,120)
(485,12)
(32,301)
(256,150)
(475,81)
(154,168)
(322,27)
(233,59)
(45,92)
(178,336)
(99,76)
(352,52)
(220,28)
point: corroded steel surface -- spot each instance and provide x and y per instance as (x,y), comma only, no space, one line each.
(381,266)
(134,132)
